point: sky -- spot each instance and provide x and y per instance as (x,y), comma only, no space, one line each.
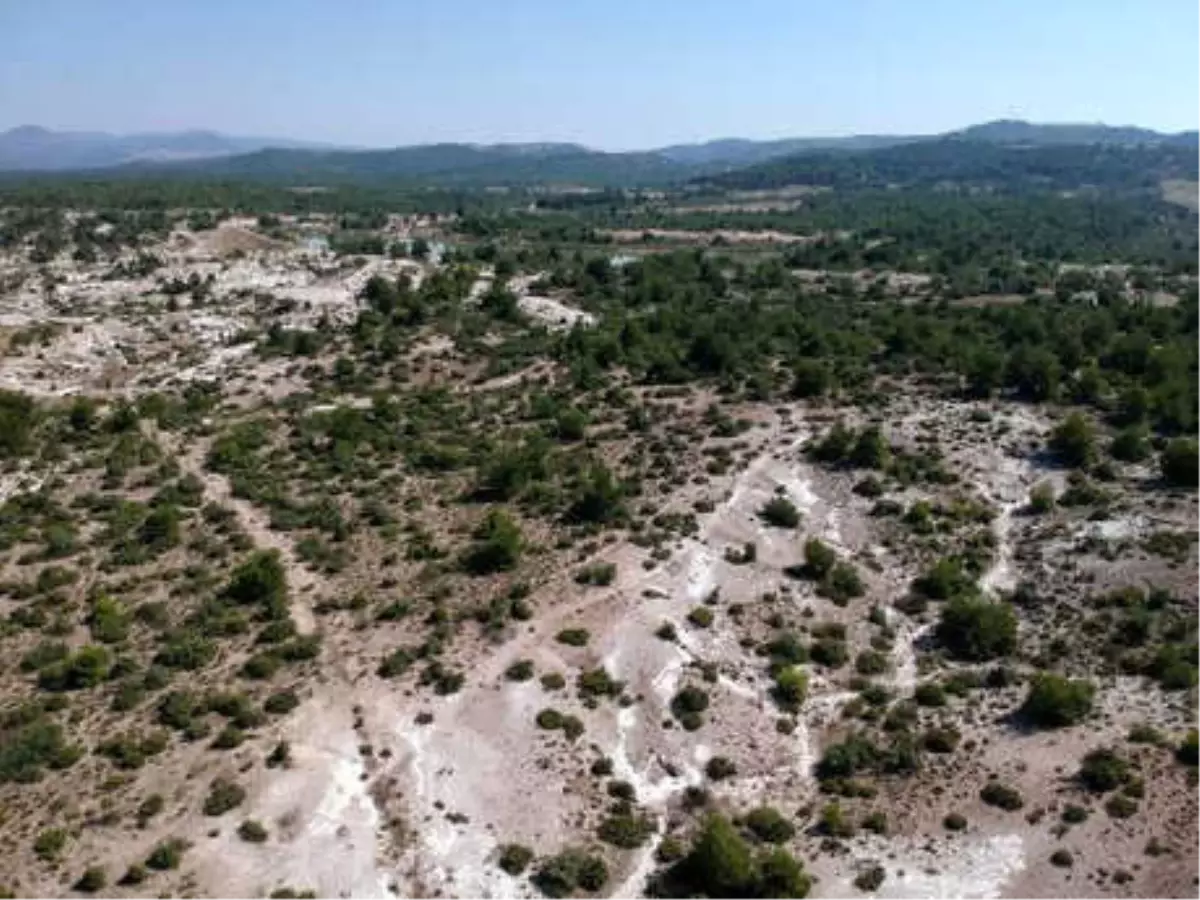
(612,74)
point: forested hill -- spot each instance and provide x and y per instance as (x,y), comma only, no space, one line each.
(441,164)
(977,163)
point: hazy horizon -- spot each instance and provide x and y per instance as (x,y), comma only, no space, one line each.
(611,76)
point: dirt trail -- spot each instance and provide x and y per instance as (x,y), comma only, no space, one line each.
(256,523)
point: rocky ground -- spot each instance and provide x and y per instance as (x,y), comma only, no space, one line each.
(393,789)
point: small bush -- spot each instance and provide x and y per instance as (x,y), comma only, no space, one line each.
(954,822)
(790,688)
(780,512)
(701,617)
(1073,814)
(1189,749)
(515,858)
(870,879)
(94,878)
(573,637)
(768,824)
(1062,859)
(1120,806)
(1001,796)
(1103,770)
(626,830)
(49,844)
(819,558)
(563,873)
(223,795)
(167,855)
(253,832)
(521,670)
(719,768)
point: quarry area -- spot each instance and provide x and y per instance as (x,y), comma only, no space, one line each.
(352,574)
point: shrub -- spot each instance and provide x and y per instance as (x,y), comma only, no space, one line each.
(954,822)
(549,719)
(28,748)
(573,637)
(135,874)
(281,703)
(626,830)
(930,693)
(1180,463)
(689,701)
(252,832)
(946,579)
(819,558)
(719,768)
(598,683)
(1062,858)
(834,821)
(260,581)
(941,740)
(1189,749)
(167,855)
(876,823)
(976,629)
(94,878)
(768,824)
(780,512)
(563,873)
(396,663)
(1073,814)
(791,688)
(598,574)
(85,668)
(498,545)
(521,670)
(1120,806)
(1001,796)
(1073,441)
(223,795)
(149,808)
(842,584)
(1041,498)
(1103,770)
(1130,445)
(870,662)
(870,879)
(1057,702)
(49,844)
(515,858)
(701,617)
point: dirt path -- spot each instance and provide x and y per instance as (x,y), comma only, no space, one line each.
(302,582)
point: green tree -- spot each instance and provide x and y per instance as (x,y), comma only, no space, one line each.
(1074,440)
(1180,463)
(1057,702)
(976,630)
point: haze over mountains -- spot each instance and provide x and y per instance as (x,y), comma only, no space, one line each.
(30,149)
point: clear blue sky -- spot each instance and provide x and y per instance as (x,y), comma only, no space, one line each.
(607,73)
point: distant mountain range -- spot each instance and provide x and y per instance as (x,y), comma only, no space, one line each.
(31,148)
(206,154)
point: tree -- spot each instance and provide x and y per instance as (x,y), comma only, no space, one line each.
(1056,702)
(1180,463)
(1130,444)
(811,378)
(1074,440)
(720,863)
(976,630)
